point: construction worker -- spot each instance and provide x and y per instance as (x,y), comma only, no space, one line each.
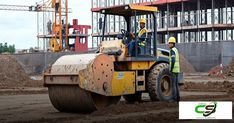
(49,27)
(174,68)
(57,6)
(141,38)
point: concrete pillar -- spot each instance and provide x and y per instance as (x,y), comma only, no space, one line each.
(182,22)
(163,19)
(198,19)
(212,20)
(221,15)
(231,15)
(160,19)
(226,19)
(175,18)
(226,6)
(168,19)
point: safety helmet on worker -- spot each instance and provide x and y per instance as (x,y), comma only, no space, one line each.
(172,40)
(142,20)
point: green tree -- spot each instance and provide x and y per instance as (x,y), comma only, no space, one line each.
(10,49)
(13,48)
(1,48)
(5,48)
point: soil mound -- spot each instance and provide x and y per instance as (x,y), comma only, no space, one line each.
(12,75)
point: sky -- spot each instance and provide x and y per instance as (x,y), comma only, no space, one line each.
(20,28)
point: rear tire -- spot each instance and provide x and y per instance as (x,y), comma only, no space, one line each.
(159,83)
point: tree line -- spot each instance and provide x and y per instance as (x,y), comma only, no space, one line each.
(5,48)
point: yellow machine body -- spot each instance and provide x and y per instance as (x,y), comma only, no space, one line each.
(97,73)
(98,77)
(123,83)
(87,82)
(54,45)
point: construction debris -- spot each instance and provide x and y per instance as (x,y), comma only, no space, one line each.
(12,75)
(229,70)
(216,71)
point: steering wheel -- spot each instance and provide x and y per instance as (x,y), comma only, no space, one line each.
(125,35)
(124,32)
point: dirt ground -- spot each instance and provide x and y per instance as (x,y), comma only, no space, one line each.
(37,108)
(25,100)
(31,107)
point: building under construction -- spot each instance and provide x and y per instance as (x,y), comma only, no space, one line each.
(56,33)
(187,20)
(204,28)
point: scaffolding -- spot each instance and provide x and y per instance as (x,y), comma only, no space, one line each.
(188,20)
(50,24)
(55,31)
(53,27)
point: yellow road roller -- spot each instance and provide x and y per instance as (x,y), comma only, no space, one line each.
(87,82)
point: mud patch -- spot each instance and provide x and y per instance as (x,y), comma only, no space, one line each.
(225,86)
(123,107)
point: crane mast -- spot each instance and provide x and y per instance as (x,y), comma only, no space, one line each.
(59,10)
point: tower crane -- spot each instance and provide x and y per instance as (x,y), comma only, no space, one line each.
(60,24)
